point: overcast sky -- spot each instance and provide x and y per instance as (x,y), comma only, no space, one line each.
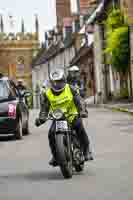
(27,9)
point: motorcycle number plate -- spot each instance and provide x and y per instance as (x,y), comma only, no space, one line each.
(61,125)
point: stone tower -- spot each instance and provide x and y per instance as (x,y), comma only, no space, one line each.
(1,24)
(37,27)
(16,53)
(22,27)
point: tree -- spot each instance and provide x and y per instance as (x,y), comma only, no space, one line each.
(118,48)
(118,44)
(115,19)
(117,41)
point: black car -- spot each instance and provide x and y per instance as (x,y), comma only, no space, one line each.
(14,113)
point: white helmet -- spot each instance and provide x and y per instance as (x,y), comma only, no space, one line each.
(20,80)
(57,79)
(74,68)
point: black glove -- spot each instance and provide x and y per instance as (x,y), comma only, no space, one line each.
(84,114)
(39,122)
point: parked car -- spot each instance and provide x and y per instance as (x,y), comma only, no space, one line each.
(14,113)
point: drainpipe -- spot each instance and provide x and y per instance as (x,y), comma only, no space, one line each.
(130,59)
(105,97)
(48,69)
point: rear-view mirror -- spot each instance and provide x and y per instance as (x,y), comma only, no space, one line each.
(27,94)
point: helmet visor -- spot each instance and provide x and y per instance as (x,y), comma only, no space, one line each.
(58,85)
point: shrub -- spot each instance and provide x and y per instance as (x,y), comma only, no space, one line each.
(117,41)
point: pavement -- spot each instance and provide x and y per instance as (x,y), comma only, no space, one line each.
(122,106)
(26,175)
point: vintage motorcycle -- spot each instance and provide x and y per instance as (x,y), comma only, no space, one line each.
(69,154)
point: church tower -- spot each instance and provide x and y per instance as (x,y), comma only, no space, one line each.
(17,51)
(37,27)
(1,24)
(22,27)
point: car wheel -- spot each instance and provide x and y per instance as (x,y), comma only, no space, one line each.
(19,131)
(26,129)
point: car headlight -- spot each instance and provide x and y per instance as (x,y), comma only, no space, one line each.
(58,114)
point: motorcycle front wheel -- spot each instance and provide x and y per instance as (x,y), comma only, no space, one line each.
(63,152)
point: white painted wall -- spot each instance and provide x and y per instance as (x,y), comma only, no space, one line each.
(98,59)
(112,86)
(74,6)
(40,73)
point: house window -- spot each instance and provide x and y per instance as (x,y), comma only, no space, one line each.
(20,65)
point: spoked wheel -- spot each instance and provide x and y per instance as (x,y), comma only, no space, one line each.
(63,153)
(79,165)
(78,157)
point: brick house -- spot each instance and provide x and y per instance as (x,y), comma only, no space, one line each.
(127,6)
(56,56)
(103,74)
(63,10)
(84,58)
(85,5)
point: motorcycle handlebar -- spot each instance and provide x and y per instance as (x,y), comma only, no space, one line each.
(50,115)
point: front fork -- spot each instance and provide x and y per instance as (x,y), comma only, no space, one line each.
(67,144)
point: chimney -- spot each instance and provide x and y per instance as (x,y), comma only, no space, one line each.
(50,37)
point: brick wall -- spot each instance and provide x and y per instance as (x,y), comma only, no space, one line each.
(9,60)
(63,9)
(85,4)
(128,8)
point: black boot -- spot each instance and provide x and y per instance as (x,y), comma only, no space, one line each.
(88,156)
(51,138)
(53,162)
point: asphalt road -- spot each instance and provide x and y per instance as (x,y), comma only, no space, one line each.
(26,175)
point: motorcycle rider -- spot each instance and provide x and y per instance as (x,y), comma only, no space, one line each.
(74,80)
(20,85)
(22,89)
(62,95)
(45,86)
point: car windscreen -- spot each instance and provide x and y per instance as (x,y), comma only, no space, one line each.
(4,90)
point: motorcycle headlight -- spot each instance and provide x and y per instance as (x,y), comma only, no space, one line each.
(58,114)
